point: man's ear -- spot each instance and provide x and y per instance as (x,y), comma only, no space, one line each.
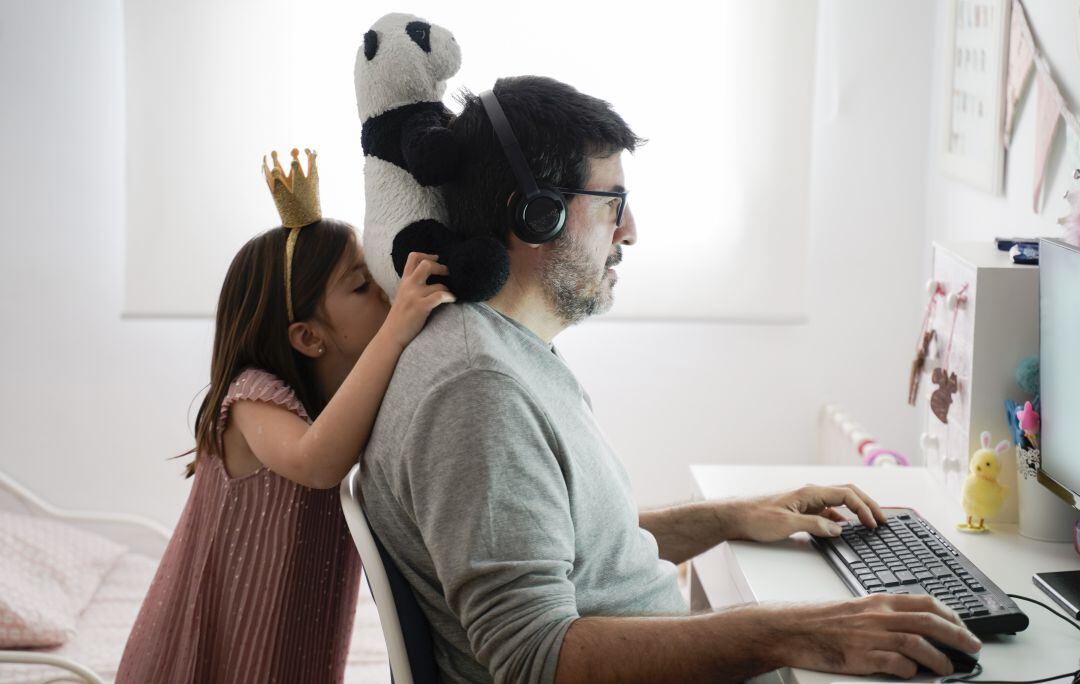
(306,339)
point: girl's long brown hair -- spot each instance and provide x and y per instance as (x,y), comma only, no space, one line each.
(252,323)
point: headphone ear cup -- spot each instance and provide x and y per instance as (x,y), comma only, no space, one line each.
(540,218)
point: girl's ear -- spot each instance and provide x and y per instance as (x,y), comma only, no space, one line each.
(306,339)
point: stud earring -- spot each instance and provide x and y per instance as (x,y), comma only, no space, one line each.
(321,350)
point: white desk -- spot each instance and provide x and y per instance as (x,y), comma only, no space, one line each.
(745,572)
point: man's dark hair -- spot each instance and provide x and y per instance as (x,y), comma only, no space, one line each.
(558,129)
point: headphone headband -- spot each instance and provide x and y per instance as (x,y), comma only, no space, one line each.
(505,133)
(540,213)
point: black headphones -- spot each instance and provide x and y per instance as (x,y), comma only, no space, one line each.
(539,214)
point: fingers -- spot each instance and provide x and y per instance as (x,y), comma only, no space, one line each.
(879,514)
(917,649)
(426,267)
(414,259)
(833,496)
(934,627)
(834,515)
(914,604)
(913,625)
(438,297)
(429,268)
(887,662)
(815,525)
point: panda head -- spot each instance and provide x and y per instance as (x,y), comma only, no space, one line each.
(403,59)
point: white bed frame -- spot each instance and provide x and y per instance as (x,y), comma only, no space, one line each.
(137,533)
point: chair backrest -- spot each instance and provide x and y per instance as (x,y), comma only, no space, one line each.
(405,629)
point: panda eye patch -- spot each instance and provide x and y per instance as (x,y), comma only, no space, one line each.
(420,33)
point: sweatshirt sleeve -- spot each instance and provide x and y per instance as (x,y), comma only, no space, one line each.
(489,497)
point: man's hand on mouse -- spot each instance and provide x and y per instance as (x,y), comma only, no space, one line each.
(808,509)
(878,634)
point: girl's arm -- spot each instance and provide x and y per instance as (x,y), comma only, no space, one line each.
(320,455)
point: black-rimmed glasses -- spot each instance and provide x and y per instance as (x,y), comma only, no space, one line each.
(601,193)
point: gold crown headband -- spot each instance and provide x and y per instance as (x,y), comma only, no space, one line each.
(297,200)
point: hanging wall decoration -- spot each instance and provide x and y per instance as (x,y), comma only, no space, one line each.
(947,382)
(973,148)
(1021,59)
(1048,108)
(926,337)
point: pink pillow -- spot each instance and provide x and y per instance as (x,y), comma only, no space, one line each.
(49,571)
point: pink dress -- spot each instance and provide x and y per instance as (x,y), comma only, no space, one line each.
(259,581)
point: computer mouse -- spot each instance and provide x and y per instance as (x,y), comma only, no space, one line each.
(962,661)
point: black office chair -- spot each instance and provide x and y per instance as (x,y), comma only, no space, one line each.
(405,629)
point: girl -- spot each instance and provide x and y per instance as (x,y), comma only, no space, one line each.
(259,581)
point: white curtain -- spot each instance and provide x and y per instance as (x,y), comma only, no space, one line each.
(723,92)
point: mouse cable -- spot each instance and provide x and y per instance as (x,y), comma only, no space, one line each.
(978,670)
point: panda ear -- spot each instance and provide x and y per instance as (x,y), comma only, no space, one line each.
(371,44)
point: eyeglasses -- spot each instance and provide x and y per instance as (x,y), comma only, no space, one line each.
(602,193)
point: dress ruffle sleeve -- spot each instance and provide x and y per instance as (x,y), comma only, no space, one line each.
(253,384)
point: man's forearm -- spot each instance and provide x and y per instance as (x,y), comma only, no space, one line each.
(729,646)
(683,532)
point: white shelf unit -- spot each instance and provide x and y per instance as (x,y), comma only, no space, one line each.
(996,326)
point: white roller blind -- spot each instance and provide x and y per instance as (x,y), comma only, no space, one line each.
(722,91)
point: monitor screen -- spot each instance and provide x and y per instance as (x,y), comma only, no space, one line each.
(1059,368)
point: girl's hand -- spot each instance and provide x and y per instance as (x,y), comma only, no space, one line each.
(415,298)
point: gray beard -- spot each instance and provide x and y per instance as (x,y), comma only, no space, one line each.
(571,283)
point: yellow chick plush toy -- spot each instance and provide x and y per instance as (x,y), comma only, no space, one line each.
(983,494)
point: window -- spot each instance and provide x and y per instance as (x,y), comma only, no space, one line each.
(722,91)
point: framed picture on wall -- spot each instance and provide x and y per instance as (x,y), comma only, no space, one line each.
(977,47)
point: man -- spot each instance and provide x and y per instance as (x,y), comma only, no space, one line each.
(496,494)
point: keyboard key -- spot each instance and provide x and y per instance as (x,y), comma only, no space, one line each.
(887,578)
(846,553)
(905,577)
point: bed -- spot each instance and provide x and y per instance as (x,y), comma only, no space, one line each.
(103,626)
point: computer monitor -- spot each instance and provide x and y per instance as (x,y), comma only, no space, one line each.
(1059,392)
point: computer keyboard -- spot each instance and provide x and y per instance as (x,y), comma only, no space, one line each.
(908,556)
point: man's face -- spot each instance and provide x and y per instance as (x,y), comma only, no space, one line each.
(577,274)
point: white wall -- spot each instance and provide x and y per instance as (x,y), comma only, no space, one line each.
(92,405)
(96,403)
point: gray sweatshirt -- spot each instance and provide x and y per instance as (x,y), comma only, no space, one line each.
(493,488)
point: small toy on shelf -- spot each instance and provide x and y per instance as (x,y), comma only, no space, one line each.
(983,494)
(1030,423)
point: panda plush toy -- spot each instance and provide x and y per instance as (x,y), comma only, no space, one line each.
(400,77)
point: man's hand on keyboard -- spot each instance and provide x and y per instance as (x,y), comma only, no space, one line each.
(808,509)
(879,634)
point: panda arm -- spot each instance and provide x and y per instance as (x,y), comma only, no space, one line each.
(429,149)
